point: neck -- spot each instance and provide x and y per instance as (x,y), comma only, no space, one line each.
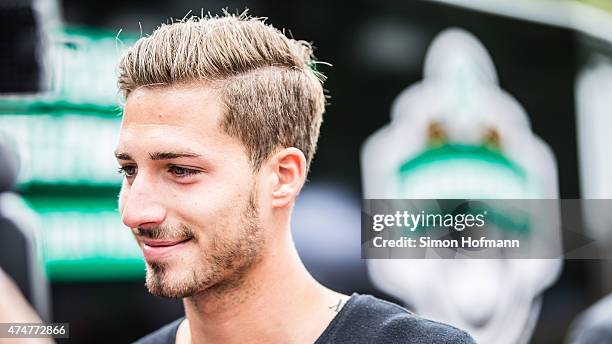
(276,301)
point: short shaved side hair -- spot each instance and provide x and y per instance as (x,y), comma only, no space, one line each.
(268,82)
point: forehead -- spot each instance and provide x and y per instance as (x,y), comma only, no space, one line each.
(182,116)
(182,105)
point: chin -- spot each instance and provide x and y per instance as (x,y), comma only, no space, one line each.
(176,279)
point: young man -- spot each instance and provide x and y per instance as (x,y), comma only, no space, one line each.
(220,124)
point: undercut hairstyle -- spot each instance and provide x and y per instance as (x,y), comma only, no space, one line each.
(268,82)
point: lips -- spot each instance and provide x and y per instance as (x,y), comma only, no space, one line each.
(161,243)
(158,249)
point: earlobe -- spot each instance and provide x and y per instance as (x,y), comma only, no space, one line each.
(290,170)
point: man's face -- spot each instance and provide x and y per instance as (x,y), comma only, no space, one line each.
(189,193)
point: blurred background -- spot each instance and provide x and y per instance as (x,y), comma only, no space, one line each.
(62,238)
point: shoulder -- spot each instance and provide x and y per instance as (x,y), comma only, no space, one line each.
(369,319)
(164,335)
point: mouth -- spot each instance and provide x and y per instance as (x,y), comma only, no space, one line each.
(157,249)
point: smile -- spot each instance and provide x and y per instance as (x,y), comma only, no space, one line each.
(157,249)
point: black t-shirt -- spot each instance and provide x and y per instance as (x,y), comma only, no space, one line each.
(363,319)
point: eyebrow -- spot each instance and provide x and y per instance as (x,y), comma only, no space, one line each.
(159,155)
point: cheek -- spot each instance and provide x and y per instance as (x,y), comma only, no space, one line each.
(209,207)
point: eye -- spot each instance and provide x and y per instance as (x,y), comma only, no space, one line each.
(182,172)
(128,170)
(436,135)
(492,139)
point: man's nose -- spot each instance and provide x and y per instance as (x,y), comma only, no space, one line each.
(142,204)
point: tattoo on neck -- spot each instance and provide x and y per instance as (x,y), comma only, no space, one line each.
(336,307)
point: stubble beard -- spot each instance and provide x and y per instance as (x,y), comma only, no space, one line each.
(225,262)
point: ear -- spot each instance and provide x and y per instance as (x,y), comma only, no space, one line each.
(289,168)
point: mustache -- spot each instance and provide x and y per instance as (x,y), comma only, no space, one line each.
(165,232)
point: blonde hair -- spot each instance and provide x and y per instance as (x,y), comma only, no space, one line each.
(269,83)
